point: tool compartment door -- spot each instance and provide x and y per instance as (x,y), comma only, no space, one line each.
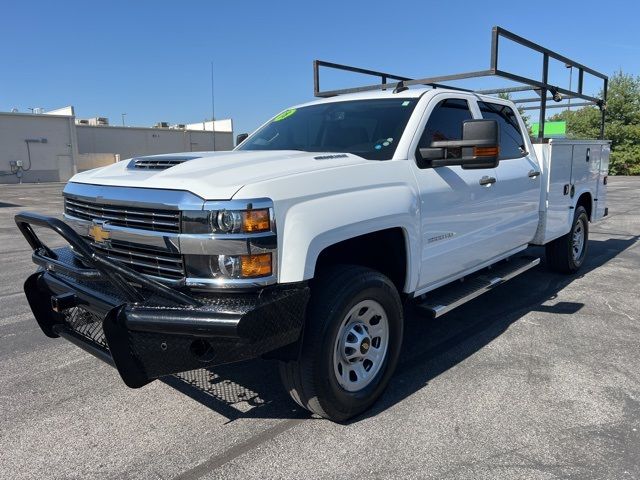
(585,168)
(558,159)
(601,191)
(585,172)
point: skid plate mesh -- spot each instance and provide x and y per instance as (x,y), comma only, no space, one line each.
(86,324)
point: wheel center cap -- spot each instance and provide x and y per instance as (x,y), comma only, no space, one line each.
(364,346)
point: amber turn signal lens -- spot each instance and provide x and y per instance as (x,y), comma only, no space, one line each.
(255,265)
(256,221)
(486,151)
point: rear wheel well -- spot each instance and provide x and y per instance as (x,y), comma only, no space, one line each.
(384,251)
(586,202)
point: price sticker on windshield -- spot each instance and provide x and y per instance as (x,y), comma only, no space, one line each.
(285,114)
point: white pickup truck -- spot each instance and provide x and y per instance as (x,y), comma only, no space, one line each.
(304,243)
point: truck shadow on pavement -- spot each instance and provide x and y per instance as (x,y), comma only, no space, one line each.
(431,346)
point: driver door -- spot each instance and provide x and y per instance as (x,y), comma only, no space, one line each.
(457,205)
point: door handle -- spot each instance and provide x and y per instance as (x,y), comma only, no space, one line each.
(533,174)
(487,180)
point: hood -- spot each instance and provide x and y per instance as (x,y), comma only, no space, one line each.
(215,175)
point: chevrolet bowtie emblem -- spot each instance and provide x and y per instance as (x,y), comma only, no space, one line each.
(98,233)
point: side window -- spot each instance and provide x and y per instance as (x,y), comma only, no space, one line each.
(511,143)
(445,123)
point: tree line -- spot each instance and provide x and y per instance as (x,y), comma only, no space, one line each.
(622,123)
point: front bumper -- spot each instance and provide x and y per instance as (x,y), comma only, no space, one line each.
(145,328)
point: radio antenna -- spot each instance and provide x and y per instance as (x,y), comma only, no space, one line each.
(213,110)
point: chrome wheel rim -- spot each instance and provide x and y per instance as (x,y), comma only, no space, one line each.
(577,246)
(361,345)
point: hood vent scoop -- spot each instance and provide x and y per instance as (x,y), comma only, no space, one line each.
(157,163)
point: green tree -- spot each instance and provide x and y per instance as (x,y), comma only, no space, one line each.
(622,124)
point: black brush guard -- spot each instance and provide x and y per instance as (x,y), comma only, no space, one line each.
(145,328)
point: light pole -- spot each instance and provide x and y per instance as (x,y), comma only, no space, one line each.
(123,114)
(570,67)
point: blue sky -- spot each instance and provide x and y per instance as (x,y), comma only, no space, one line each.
(152,59)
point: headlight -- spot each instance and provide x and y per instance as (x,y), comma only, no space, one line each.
(230,243)
(229,266)
(226,221)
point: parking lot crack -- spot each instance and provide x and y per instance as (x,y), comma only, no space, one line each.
(237,450)
(619,312)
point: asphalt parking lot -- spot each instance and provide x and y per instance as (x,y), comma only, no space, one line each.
(538,379)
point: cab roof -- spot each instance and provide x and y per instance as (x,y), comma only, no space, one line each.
(409,93)
(372,95)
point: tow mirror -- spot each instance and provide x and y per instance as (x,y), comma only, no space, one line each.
(479,147)
(241,138)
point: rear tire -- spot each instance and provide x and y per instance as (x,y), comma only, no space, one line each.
(567,253)
(351,343)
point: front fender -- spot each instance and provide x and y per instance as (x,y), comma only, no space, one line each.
(317,223)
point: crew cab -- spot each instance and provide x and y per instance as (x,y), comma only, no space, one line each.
(305,242)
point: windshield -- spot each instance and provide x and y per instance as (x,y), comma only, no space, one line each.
(368,128)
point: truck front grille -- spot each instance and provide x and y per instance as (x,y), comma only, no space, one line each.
(144,259)
(124,216)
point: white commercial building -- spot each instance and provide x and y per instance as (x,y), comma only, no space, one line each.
(52,146)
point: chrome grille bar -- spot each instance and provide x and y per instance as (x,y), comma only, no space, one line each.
(103,208)
(147,261)
(146,219)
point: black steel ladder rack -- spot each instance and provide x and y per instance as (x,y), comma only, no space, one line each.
(540,86)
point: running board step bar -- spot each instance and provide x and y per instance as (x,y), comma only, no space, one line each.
(444,299)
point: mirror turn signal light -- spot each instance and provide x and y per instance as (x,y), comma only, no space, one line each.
(486,151)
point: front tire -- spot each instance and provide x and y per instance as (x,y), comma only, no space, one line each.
(351,343)
(567,253)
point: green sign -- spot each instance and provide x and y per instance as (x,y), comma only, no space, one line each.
(285,114)
(551,129)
